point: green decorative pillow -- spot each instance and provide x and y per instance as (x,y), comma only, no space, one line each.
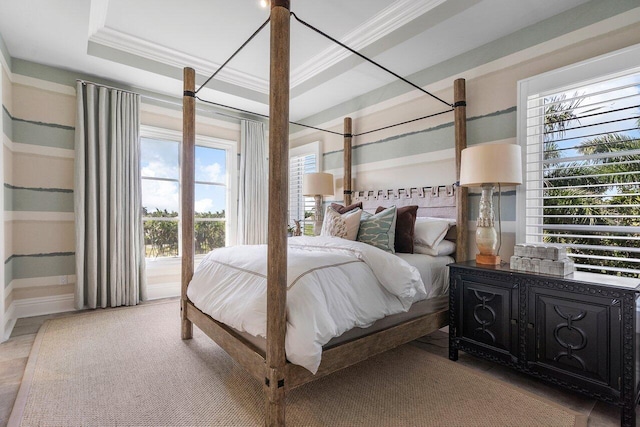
(379,230)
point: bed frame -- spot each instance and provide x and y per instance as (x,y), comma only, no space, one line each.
(271,367)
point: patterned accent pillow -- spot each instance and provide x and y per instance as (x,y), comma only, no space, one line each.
(345,226)
(379,230)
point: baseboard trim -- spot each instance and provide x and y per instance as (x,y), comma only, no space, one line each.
(10,322)
(30,307)
(163,290)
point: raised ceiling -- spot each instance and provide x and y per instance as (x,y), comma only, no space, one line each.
(145,43)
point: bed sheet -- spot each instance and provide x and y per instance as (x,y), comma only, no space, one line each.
(433,270)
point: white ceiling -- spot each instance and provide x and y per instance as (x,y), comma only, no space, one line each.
(145,43)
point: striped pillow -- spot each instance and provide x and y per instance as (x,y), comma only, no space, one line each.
(379,230)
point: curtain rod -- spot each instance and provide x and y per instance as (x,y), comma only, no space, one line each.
(86,82)
(166,101)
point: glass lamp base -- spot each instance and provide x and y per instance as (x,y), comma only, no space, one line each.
(487,243)
(487,259)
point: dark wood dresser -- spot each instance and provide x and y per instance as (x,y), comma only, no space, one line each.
(579,331)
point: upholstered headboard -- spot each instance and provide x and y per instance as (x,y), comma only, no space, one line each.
(436,201)
(439,202)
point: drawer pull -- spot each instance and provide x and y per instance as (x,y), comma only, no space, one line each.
(530,325)
(514,321)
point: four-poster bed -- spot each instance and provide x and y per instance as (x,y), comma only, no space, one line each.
(268,364)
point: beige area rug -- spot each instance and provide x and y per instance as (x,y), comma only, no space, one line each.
(129,367)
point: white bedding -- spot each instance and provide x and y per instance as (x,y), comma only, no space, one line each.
(433,270)
(333,286)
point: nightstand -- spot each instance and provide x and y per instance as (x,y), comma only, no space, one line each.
(579,331)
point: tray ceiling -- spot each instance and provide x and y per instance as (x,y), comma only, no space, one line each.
(145,43)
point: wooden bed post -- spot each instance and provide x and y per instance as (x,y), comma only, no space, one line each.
(187,180)
(274,386)
(460,119)
(347,161)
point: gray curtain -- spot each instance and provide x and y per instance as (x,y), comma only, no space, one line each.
(109,235)
(253,192)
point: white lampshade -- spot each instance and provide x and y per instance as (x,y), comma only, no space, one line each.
(317,184)
(491,163)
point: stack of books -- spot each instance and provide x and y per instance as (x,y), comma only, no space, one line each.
(539,258)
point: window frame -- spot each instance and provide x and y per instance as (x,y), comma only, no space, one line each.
(311,148)
(231,148)
(608,66)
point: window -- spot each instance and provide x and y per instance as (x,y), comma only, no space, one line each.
(302,160)
(214,192)
(160,171)
(580,128)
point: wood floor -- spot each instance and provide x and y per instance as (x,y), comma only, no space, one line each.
(15,351)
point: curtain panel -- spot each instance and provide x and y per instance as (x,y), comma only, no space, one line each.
(254,190)
(110,257)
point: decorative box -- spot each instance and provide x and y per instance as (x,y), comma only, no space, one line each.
(540,251)
(538,258)
(562,267)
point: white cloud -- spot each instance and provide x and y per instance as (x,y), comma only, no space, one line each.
(159,169)
(160,195)
(211,173)
(204,205)
(159,158)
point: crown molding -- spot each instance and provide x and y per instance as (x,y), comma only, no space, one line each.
(133,45)
(97,15)
(396,15)
(385,22)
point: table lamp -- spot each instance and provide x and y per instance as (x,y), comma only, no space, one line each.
(484,166)
(317,185)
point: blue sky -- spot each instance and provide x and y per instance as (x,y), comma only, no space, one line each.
(160,159)
(625,93)
(594,103)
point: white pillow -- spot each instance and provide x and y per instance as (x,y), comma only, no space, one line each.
(345,226)
(430,231)
(444,248)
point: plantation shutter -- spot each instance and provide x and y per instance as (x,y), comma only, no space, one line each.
(582,172)
(298,203)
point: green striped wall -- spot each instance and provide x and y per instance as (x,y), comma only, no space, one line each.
(7,129)
(40,265)
(38,133)
(7,123)
(37,199)
(68,78)
(25,199)
(491,127)
(44,134)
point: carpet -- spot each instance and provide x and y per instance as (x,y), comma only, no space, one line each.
(129,367)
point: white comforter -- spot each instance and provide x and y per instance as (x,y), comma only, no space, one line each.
(333,286)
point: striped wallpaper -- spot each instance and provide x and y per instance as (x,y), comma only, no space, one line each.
(38,127)
(38,114)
